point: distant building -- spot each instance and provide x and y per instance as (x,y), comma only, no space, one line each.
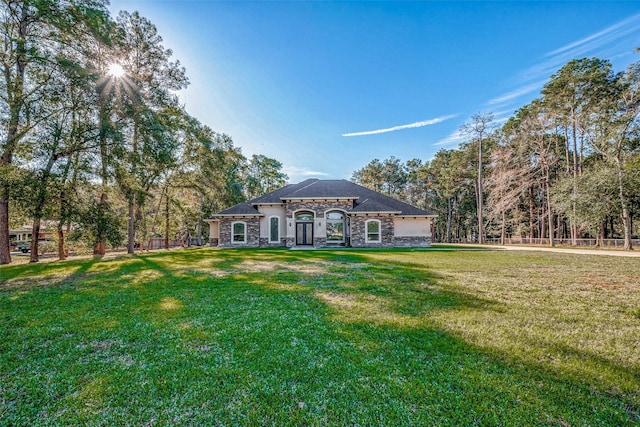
(24,234)
(318,213)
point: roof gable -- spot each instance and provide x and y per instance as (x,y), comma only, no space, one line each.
(365,200)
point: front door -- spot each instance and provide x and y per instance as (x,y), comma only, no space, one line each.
(304,233)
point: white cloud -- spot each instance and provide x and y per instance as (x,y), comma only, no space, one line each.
(616,41)
(517,93)
(594,41)
(409,126)
(454,138)
(301,171)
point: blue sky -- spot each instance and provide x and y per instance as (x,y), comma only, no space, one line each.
(325,87)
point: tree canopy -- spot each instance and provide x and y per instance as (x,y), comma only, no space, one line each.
(564,166)
(93,139)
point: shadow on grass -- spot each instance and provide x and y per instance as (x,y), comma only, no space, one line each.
(289,338)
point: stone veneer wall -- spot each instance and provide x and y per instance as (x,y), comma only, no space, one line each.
(253,232)
(319,206)
(358,231)
(265,243)
(412,241)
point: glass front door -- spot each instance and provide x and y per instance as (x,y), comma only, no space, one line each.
(304,233)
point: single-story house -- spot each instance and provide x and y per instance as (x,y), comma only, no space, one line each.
(316,213)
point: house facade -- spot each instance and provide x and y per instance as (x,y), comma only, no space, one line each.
(322,213)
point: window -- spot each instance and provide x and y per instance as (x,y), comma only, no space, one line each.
(335,227)
(373,230)
(304,216)
(239,232)
(274,229)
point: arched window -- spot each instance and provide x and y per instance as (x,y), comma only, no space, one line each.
(372,227)
(274,229)
(238,232)
(335,227)
(304,216)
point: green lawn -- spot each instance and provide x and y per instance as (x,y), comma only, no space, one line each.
(345,337)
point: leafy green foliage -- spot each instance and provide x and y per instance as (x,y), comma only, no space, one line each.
(97,222)
(263,174)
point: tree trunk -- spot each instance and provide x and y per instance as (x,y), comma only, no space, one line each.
(101,245)
(480,201)
(40,201)
(35,236)
(560,227)
(449,214)
(166,222)
(503,231)
(5,250)
(61,252)
(549,212)
(626,218)
(566,150)
(574,227)
(543,228)
(531,216)
(15,92)
(100,248)
(131,228)
(601,234)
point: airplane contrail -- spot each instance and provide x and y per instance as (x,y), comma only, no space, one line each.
(409,126)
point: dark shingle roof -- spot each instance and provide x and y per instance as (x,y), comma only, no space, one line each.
(241,209)
(369,205)
(328,188)
(277,195)
(364,199)
(403,209)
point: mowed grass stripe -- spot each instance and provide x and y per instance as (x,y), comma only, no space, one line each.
(278,337)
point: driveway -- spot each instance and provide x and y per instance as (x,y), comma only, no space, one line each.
(634,253)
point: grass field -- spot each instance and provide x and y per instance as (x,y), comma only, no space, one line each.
(345,337)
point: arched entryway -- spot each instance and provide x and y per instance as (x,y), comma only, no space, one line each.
(304,228)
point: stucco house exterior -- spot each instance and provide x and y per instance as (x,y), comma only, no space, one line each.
(319,213)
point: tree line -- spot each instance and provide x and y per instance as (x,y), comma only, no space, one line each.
(93,137)
(565,166)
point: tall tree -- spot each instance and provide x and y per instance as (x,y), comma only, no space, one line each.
(478,129)
(264,174)
(395,176)
(417,183)
(388,176)
(572,93)
(32,33)
(370,176)
(615,124)
(450,178)
(147,80)
(529,157)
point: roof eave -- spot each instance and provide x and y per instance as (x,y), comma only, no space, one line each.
(284,199)
(236,214)
(375,212)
